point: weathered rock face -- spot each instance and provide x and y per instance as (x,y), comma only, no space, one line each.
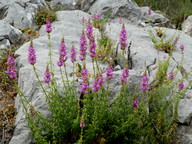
(8,35)
(86,4)
(20,13)
(187,26)
(63,5)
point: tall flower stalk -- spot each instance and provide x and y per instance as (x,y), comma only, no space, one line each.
(11,66)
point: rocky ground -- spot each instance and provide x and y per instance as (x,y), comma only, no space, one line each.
(68,24)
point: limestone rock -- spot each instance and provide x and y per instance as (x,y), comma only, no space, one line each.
(185,111)
(187,26)
(20,13)
(63,5)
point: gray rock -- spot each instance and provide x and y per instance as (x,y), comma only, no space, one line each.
(185,111)
(155,19)
(9,34)
(20,13)
(63,5)
(183,135)
(86,4)
(114,8)
(4,44)
(187,26)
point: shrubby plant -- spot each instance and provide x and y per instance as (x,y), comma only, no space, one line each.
(146,114)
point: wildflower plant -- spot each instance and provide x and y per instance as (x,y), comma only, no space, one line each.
(92,113)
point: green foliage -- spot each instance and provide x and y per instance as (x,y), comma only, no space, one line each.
(43,15)
(160,41)
(177,11)
(104,49)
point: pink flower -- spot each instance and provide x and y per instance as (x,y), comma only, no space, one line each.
(92,49)
(149,11)
(123,38)
(83,20)
(48,27)
(47,75)
(92,17)
(109,73)
(31,54)
(89,31)
(84,87)
(171,75)
(99,81)
(135,103)
(124,75)
(62,53)
(120,21)
(73,54)
(181,86)
(182,47)
(98,16)
(11,67)
(84,73)
(144,82)
(83,46)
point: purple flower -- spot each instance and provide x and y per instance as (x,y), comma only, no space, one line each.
(89,31)
(48,27)
(84,87)
(158,52)
(99,81)
(83,46)
(144,83)
(47,75)
(92,17)
(84,73)
(165,57)
(11,67)
(92,49)
(123,38)
(98,16)
(149,11)
(62,53)
(73,54)
(83,20)
(182,47)
(109,73)
(120,21)
(135,103)
(31,54)
(171,75)
(181,86)
(124,75)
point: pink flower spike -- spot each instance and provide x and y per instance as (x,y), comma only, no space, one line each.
(48,27)
(144,82)
(120,20)
(109,72)
(73,54)
(31,54)
(83,20)
(83,46)
(124,75)
(98,16)
(47,75)
(182,47)
(82,123)
(181,86)
(149,12)
(123,38)
(135,103)
(11,67)
(171,76)
(84,87)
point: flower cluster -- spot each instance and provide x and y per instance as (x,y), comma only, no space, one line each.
(48,27)
(124,75)
(123,38)
(135,103)
(11,67)
(144,82)
(109,72)
(31,54)
(181,86)
(73,54)
(99,81)
(171,75)
(84,85)
(83,20)
(182,47)
(96,17)
(62,53)
(47,75)
(83,46)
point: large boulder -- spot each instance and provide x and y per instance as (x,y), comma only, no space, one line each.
(63,5)
(20,13)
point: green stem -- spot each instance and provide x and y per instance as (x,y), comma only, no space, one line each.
(93,66)
(66,75)
(37,76)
